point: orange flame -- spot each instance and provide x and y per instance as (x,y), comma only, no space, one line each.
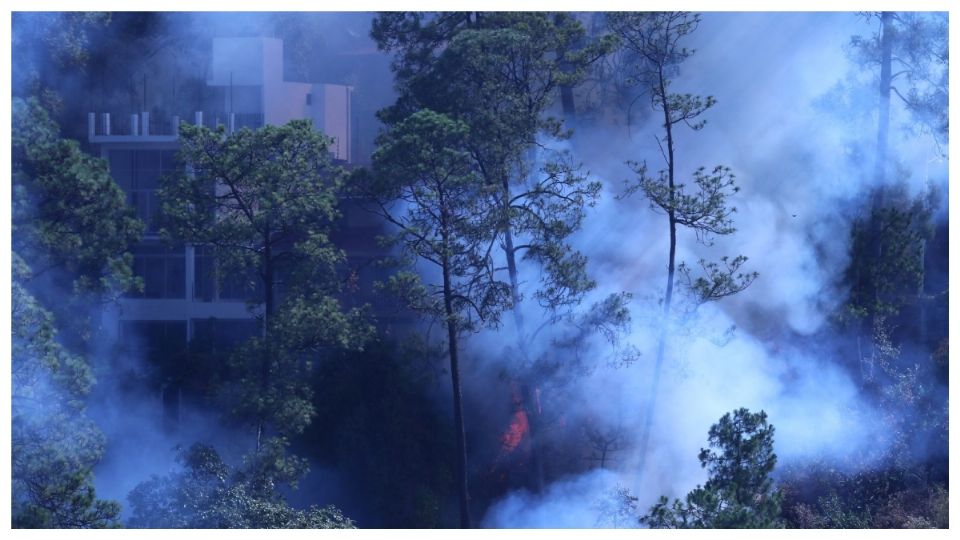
(516,431)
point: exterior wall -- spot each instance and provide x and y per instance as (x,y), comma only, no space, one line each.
(328,105)
(333,113)
(243,99)
(135,309)
(285,101)
(253,68)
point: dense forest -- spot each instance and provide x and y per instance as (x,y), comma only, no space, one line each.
(634,270)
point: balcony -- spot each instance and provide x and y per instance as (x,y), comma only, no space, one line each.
(150,127)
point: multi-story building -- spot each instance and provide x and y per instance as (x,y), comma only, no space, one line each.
(181,299)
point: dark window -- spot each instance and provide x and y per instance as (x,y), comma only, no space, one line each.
(121,168)
(160,342)
(222,335)
(168,161)
(210,283)
(162,270)
(138,173)
(309,99)
(154,282)
(204,284)
(240,286)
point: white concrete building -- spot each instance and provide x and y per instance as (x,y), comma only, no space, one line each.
(180,300)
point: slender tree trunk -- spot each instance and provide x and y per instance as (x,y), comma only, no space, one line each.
(457,398)
(566,101)
(922,293)
(566,90)
(514,283)
(883,124)
(877,199)
(527,382)
(668,296)
(268,278)
(268,307)
(528,392)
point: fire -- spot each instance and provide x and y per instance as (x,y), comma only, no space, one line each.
(515,432)
(519,423)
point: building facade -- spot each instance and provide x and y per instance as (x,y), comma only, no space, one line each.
(182,300)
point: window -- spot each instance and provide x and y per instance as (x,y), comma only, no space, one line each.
(309,99)
(121,168)
(163,271)
(210,285)
(138,173)
(222,335)
(162,343)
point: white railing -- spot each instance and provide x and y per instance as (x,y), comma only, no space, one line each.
(105,125)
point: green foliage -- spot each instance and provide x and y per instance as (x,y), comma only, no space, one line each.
(886,266)
(206,493)
(656,41)
(53,445)
(303,328)
(739,492)
(499,73)
(391,440)
(68,214)
(608,318)
(70,222)
(425,183)
(256,198)
(822,496)
(544,210)
(655,38)
(919,70)
(719,281)
(36,352)
(536,51)
(51,45)
(705,210)
(264,202)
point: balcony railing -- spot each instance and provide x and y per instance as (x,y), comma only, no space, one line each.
(106,126)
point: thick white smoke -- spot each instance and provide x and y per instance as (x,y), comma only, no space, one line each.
(800,190)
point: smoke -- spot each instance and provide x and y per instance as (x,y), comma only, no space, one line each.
(157,61)
(804,166)
(128,405)
(803,161)
(569,503)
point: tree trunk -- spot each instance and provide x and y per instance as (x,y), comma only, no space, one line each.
(526,382)
(268,308)
(883,123)
(457,398)
(566,90)
(668,296)
(877,199)
(531,406)
(922,295)
(566,101)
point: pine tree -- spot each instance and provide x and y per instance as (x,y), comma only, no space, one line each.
(207,494)
(500,73)
(426,185)
(739,492)
(703,208)
(264,203)
(71,230)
